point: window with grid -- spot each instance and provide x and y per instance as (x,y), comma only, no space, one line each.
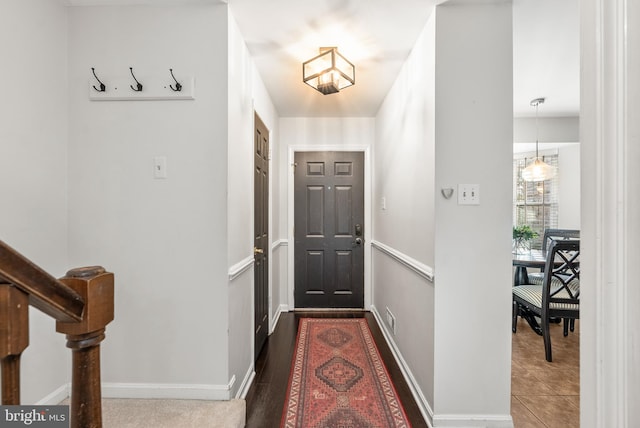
(535,203)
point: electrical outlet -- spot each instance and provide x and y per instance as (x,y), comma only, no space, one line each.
(391,321)
(468,194)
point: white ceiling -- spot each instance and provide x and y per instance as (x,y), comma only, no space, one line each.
(377,36)
(546,57)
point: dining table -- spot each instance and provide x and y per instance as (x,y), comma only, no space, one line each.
(531,259)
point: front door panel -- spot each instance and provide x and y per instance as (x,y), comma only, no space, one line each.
(329,222)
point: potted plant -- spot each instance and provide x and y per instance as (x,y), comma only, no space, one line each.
(522,236)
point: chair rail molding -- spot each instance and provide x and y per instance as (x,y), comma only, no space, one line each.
(240,267)
(279,243)
(419,268)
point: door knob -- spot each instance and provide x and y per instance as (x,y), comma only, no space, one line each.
(357,242)
(257,250)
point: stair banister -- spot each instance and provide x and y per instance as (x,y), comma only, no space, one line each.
(82,303)
(14,338)
(45,292)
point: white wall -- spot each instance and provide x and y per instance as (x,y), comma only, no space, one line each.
(569,187)
(449,113)
(474,128)
(549,129)
(404,173)
(33,166)
(165,239)
(246,92)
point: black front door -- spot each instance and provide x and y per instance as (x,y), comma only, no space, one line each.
(329,229)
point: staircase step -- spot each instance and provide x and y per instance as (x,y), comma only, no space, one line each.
(160,413)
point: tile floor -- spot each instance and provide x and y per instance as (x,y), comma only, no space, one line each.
(545,394)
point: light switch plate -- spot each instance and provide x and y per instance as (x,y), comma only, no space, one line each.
(160,167)
(468,194)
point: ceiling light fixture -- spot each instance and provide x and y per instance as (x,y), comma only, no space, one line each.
(538,170)
(328,72)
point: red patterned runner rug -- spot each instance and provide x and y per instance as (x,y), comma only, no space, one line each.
(338,379)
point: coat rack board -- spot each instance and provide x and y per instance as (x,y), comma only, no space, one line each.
(141,89)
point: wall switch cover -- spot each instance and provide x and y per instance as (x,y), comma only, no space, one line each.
(160,167)
(468,194)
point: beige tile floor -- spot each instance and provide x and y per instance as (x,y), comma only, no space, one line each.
(545,394)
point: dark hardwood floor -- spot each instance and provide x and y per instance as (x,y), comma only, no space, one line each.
(265,399)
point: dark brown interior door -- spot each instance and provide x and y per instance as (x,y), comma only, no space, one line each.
(329,229)
(261,237)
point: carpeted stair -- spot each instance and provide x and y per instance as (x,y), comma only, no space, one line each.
(153,413)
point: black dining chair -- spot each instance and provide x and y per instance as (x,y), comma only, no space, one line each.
(558,297)
(549,236)
(537,277)
(558,234)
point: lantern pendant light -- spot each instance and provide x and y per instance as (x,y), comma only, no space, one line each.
(538,170)
(329,72)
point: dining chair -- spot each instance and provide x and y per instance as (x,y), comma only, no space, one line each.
(558,234)
(558,297)
(537,277)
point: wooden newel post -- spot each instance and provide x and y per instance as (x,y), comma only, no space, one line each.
(14,339)
(95,285)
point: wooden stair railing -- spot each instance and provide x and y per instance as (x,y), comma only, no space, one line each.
(82,303)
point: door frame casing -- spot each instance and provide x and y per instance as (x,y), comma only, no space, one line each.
(368,298)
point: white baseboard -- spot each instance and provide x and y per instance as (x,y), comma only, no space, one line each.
(56,396)
(472,421)
(246,383)
(421,400)
(282,308)
(251,374)
(168,391)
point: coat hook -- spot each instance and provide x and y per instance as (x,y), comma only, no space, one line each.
(138,84)
(102,87)
(178,87)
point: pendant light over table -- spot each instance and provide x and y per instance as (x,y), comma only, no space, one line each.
(538,170)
